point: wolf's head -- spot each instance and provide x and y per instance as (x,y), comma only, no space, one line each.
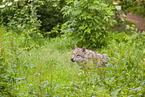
(78,54)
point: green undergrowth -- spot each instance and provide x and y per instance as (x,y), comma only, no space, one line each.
(46,69)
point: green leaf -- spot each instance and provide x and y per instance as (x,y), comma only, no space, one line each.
(88,30)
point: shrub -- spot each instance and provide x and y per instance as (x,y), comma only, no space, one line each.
(31,16)
(89,21)
(51,17)
(21,17)
(7,57)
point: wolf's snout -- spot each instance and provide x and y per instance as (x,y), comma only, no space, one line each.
(72,60)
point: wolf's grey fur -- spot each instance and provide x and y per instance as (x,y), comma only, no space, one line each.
(82,57)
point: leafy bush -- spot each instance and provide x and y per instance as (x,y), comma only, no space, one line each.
(29,17)
(128,77)
(89,21)
(8,62)
(25,19)
(21,17)
(51,17)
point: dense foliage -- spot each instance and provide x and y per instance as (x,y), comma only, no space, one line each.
(8,62)
(31,65)
(89,21)
(135,6)
(51,16)
(48,71)
(31,16)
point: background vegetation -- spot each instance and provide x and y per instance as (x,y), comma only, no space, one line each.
(36,38)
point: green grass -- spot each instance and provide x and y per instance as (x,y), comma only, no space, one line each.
(46,69)
(49,73)
(43,69)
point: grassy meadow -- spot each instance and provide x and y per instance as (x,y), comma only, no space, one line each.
(45,69)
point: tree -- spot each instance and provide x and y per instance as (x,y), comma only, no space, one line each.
(89,20)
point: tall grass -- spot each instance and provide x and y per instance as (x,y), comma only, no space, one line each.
(46,70)
(8,62)
(47,73)
(43,70)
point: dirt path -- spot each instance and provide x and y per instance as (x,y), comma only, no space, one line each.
(139,21)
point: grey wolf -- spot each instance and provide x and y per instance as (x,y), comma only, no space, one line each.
(84,57)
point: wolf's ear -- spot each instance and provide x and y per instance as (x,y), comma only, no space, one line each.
(83,49)
(76,46)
